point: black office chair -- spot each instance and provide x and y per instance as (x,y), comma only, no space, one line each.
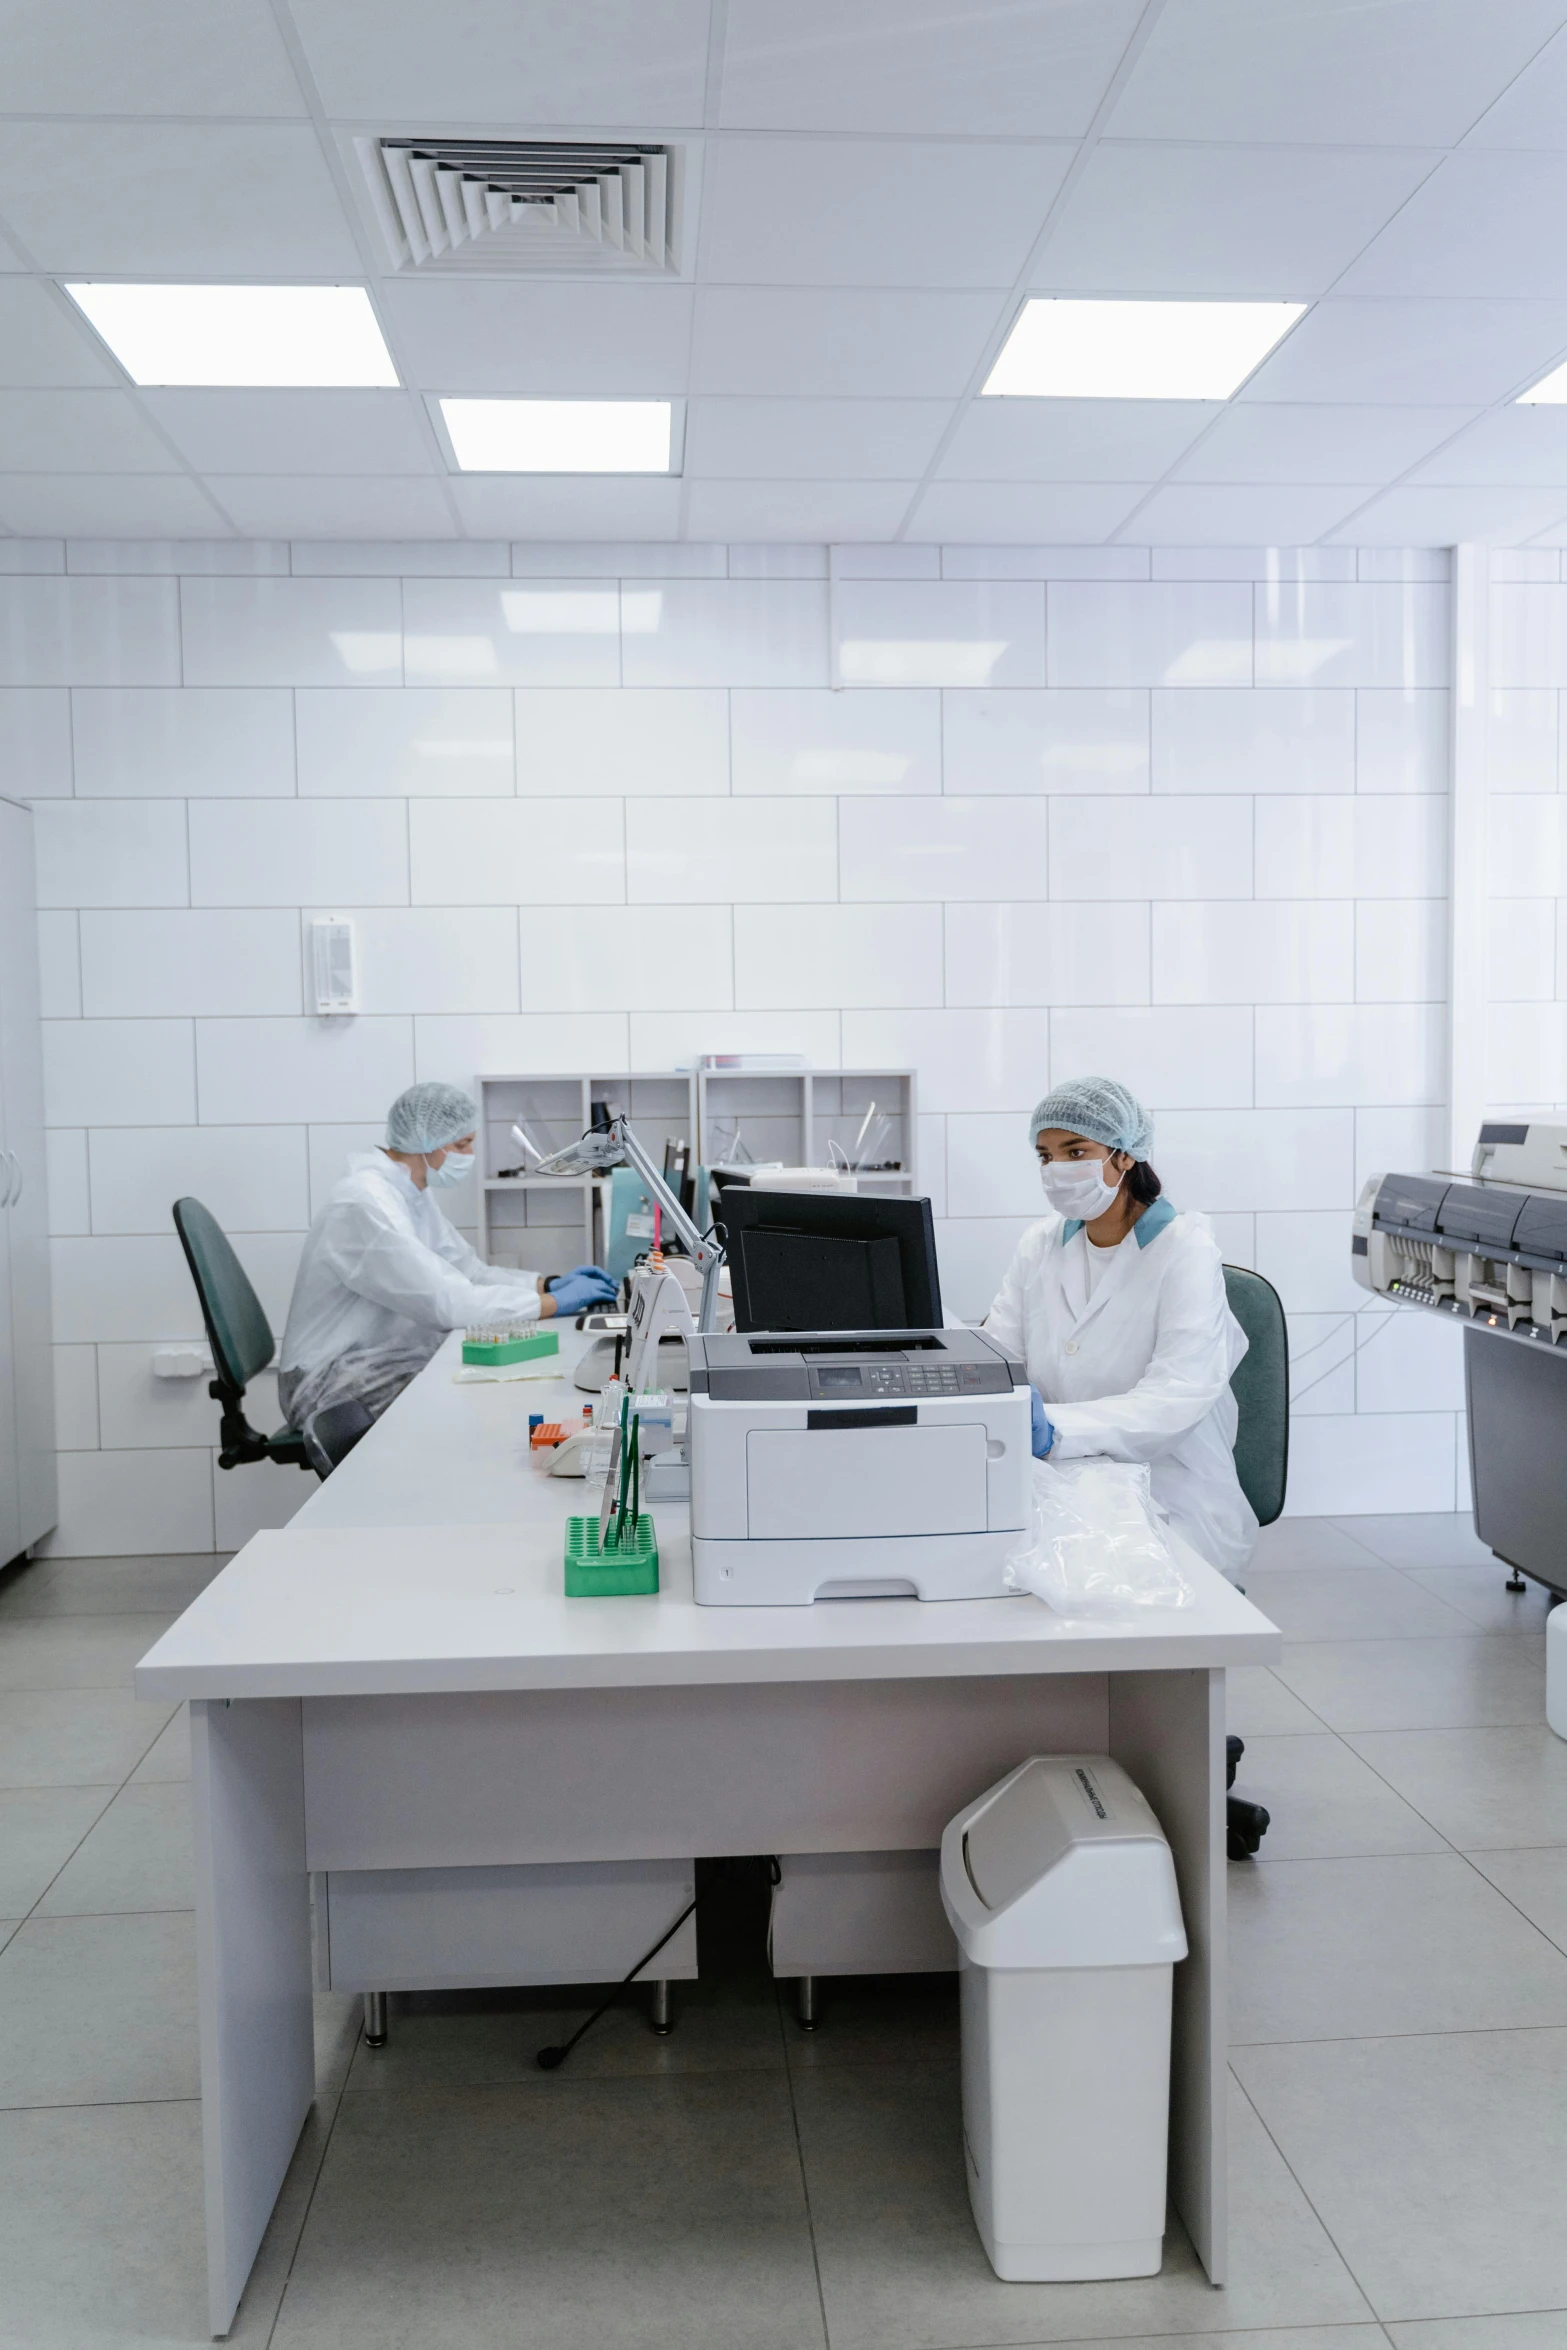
(240,1337)
(1261,1387)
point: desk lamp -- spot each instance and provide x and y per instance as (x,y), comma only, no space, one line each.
(616,1146)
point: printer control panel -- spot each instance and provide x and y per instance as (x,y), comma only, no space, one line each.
(849,1367)
(875,1380)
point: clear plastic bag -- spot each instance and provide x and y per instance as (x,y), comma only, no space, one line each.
(1096,1545)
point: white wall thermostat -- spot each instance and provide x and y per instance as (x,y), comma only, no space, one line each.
(334,975)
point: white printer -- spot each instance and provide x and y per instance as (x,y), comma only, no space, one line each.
(846,1464)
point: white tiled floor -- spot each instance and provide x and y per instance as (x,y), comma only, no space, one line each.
(1398,2015)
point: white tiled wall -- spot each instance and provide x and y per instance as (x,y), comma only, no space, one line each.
(1526,1029)
(1177,818)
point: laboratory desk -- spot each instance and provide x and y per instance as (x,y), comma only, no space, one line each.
(395,1681)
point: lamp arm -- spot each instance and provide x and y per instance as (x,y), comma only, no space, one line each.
(675,1217)
(704,1253)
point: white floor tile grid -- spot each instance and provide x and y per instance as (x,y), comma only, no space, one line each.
(1399,2015)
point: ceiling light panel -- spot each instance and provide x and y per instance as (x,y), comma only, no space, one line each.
(561,436)
(1549,392)
(1137,350)
(255,337)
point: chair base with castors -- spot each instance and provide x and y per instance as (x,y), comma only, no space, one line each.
(1245,1823)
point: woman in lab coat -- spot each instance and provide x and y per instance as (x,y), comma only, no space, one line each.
(1116,1303)
(384,1275)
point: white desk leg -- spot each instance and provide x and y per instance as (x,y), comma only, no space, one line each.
(252,1972)
(1168,1731)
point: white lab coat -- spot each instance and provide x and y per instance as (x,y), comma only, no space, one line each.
(1141,1369)
(384,1273)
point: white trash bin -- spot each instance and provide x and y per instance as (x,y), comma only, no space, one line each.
(1061,1891)
(1556,1669)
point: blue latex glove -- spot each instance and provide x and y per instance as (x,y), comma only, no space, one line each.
(1042,1433)
(585,1285)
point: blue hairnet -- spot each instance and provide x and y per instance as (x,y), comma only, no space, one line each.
(427,1117)
(1099,1110)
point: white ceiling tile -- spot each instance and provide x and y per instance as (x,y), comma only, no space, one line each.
(554,341)
(815,511)
(1485,223)
(1276,223)
(830,341)
(317,506)
(1517,447)
(109,505)
(1033,69)
(1276,441)
(1465,352)
(1057,514)
(186,200)
(1072,440)
(1208,515)
(1403,72)
(1533,111)
(44,341)
(78,431)
(181,57)
(511,506)
(473,63)
(824,440)
(294,432)
(1448,517)
(848,212)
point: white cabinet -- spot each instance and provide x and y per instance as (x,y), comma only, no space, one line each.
(28,1492)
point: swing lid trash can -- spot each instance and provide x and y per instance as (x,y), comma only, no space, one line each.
(1062,1864)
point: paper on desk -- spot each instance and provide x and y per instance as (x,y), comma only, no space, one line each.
(480,1374)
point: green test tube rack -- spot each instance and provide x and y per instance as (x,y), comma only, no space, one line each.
(493,1351)
(595,1573)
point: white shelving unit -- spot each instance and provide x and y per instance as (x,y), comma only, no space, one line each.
(550,1221)
(793,1114)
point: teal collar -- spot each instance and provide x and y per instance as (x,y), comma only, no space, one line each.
(1148,1226)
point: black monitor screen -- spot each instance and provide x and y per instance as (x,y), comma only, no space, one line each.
(803,1260)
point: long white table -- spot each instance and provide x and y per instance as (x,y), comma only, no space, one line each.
(395,1682)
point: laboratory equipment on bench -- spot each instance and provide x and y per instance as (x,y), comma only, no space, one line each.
(1060,1888)
(854,1464)
(809,1261)
(615,1555)
(496,1347)
(1489,1249)
(659,1317)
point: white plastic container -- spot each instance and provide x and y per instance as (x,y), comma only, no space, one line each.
(1556,1669)
(1061,1890)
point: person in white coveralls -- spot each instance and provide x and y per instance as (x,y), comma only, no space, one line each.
(1116,1303)
(384,1275)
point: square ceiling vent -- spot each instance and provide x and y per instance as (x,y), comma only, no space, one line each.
(523,206)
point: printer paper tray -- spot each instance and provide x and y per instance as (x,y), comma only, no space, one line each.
(793,1573)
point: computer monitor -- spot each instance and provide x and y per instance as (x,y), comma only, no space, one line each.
(802,1260)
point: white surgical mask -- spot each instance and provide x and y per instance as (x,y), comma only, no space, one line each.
(1076,1187)
(456,1167)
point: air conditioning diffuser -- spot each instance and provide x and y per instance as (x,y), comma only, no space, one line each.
(522,205)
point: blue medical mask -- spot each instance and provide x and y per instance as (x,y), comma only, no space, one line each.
(455,1168)
(1077,1187)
